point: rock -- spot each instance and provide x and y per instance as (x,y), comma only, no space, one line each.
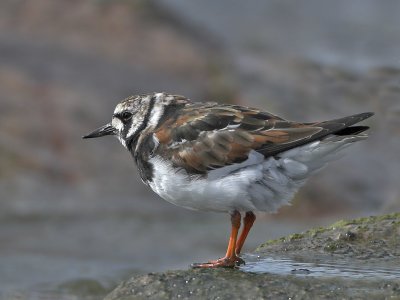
(366,239)
(363,238)
(231,284)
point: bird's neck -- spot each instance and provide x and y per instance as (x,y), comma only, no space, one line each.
(143,145)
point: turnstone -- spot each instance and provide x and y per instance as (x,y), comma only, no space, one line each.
(225,158)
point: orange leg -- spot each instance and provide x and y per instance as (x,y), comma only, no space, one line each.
(248,223)
(231,259)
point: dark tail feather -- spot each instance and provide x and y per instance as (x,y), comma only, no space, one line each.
(343,126)
(350,120)
(352,130)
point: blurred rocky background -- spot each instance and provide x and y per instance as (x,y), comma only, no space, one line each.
(74,216)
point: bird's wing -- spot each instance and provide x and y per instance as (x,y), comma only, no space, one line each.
(209,136)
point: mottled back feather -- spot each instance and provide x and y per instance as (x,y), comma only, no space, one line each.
(205,136)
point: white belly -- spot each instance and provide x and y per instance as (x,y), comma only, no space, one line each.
(258,184)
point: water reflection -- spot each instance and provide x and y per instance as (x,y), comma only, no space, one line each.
(344,268)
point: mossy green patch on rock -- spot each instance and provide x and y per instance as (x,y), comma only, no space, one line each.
(376,236)
(366,220)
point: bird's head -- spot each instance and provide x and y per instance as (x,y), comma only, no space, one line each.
(131,116)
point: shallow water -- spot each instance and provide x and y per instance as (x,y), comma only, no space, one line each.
(334,268)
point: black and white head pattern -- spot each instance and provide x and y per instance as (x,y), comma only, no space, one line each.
(137,113)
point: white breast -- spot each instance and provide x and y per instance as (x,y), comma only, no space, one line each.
(257,184)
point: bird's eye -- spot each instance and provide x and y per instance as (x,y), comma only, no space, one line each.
(126,116)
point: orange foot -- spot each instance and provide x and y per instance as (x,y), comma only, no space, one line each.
(225,262)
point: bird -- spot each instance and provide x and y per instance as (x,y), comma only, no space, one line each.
(225,158)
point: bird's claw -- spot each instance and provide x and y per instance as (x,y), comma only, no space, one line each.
(225,262)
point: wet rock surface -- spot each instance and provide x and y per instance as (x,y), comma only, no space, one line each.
(230,284)
(373,239)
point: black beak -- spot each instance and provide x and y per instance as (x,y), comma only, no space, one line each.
(102,131)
